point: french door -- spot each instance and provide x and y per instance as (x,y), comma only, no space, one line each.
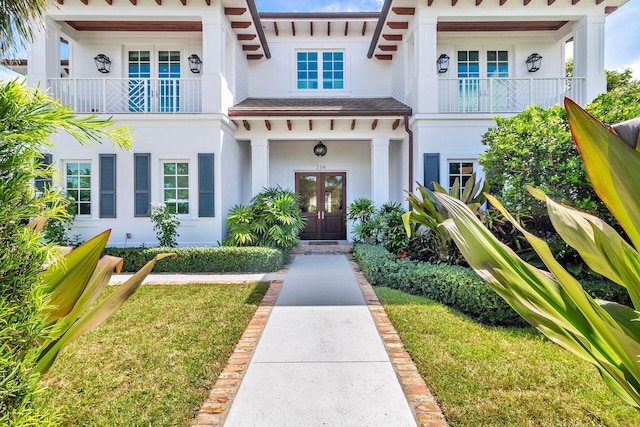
(482,80)
(154,81)
(323,204)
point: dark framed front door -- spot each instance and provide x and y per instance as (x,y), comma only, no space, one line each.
(323,204)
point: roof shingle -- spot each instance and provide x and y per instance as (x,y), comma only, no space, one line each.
(323,107)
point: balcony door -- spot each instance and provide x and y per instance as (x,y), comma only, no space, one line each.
(482,80)
(154,81)
(323,204)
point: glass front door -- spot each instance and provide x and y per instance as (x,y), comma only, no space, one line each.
(322,203)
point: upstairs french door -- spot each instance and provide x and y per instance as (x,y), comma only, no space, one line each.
(154,81)
(482,80)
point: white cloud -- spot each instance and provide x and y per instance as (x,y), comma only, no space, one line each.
(353,6)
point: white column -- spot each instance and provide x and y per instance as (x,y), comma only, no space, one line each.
(44,55)
(380,170)
(426,54)
(212,62)
(259,165)
(588,58)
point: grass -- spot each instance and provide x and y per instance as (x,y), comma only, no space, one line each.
(154,361)
(490,376)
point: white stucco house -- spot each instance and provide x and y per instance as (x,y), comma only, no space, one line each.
(223,100)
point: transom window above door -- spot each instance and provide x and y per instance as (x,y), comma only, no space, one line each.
(320,70)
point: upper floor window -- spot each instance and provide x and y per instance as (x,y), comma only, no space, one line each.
(78,180)
(320,70)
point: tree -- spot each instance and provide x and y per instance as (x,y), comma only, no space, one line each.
(27,119)
(19,20)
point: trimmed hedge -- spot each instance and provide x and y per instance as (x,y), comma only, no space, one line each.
(457,287)
(219,259)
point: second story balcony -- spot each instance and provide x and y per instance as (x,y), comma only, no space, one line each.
(129,96)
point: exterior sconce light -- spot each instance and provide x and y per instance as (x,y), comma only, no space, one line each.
(320,149)
(443,63)
(195,63)
(103,63)
(533,62)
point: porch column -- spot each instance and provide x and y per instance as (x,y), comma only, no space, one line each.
(44,55)
(380,170)
(259,165)
(588,58)
(212,62)
(426,55)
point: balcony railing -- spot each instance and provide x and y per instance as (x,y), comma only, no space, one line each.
(115,96)
(498,95)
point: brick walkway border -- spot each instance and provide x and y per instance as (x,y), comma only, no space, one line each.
(423,404)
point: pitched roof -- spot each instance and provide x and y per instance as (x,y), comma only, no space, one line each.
(323,107)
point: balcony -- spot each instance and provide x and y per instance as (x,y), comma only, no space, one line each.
(125,96)
(498,95)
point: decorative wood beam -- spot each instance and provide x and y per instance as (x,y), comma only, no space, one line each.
(289,124)
(134,2)
(404,10)
(429,2)
(346,28)
(275,28)
(250,47)
(353,124)
(392,37)
(60,1)
(388,47)
(374,125)
(109,2)
(331,124)
(293,28)
(255,56)
(502,2)
(311,27)
(310,124)
(608,10)
(267,123)
(574,2)
(384,57)
(454,2)
(395,124)
(404,25)
(246,37)
(526,2)
(234,10)
(328,28)
(208,2)
(550,2)
(246,125)
(159,2)
(85,2)
(238,24)
(599,1)
(364,27)
(478,2)
(184,2)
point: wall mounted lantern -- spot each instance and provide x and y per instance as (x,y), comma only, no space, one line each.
(443,63)
(320,149)
(195,63)
(533,62)
(103,63)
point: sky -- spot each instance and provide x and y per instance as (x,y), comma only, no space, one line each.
(622,28)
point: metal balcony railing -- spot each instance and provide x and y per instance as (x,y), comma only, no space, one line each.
(122,96)
(505,95)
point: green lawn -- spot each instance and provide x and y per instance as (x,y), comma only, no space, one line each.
(500,376)
(154,361)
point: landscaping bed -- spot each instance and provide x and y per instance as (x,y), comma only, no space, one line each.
(500,376)
(154,361)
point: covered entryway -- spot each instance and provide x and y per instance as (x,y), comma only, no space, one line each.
(323,204)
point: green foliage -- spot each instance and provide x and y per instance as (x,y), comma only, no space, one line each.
(361,209)
(602,332)
(57,230)
(219,259)
(620,103)
(272,219)
(616,79)
(424,220)
(378,226)
(165,224)
(27,119)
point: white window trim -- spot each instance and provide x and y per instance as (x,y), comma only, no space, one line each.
(191,181)
(93,189)
(320,92)
(482,51)
(461,159)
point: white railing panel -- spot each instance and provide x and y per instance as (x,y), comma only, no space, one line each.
(498,95)
(122,96)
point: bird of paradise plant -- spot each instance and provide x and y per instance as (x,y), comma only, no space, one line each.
(603,333)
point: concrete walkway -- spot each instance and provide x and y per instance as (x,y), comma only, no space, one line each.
(320,360)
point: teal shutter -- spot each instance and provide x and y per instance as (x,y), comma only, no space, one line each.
(43,182)
(107,185)
(431,169)
(142,183)
(206,206)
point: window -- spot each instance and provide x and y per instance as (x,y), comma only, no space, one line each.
(497,63)
(460,170)
(176,187)
(78,179)
(325,74)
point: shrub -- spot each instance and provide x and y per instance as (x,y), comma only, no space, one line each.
(165,224)
(381,226)
(455,286)
(203,259)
